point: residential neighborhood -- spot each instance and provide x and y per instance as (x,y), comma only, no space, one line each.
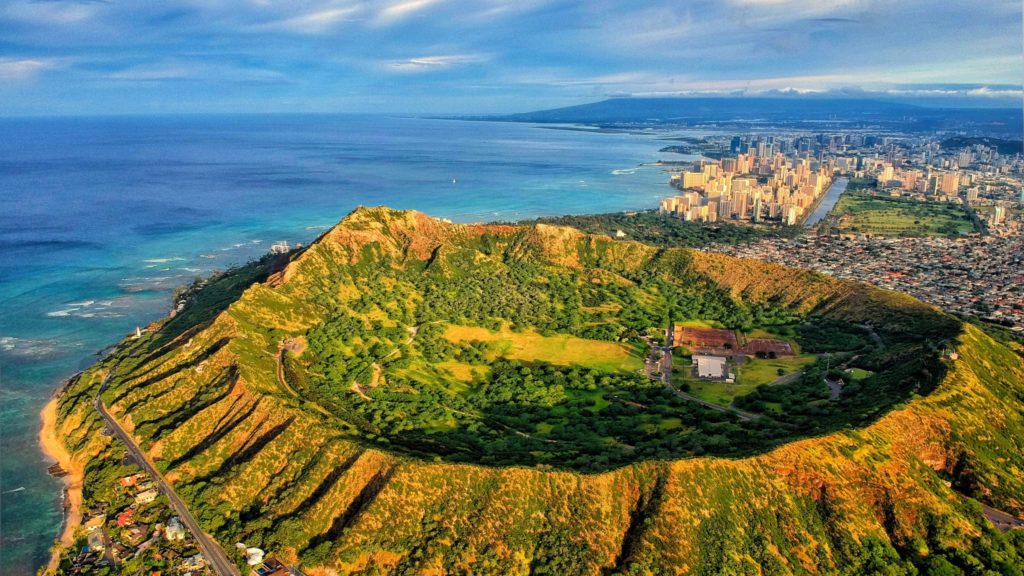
(981,276)
(130,528)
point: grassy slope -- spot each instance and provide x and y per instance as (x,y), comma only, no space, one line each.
(258,463)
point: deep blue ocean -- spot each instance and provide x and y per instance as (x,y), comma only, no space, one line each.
(101,218)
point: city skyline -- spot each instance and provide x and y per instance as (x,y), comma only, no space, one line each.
(435,56)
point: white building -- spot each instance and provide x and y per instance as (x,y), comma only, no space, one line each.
(710,366)
(174,529)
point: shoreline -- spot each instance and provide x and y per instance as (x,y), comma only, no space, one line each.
(54,449)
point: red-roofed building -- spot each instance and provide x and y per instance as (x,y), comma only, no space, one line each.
(125,518)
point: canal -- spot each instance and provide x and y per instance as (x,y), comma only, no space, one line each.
(830,199)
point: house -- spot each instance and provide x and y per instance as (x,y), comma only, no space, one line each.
(96,522)
(120,551)
(147,496)
(174,529)
(95,541)
(191,563)
(125,518)
(713,367)
(135,533)
(131,479)
(271,567)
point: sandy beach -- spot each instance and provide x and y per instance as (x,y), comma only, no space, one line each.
(54,448)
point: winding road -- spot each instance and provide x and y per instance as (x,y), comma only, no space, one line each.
(665,367)
(214,555)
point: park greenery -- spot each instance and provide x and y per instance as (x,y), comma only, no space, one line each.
(868,213)
(650,227)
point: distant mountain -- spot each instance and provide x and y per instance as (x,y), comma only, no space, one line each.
(676,109)
(776,110)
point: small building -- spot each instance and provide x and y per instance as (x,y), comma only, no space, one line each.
(95,541)
(135,533)
(713,367)
(191,563)
(125,518)
(147,496)
(271,567)
(119,551)
(131,480)
(174,529)
(96,522)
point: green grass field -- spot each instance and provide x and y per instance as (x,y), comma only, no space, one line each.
(859,373)
(886,216)
(560,349)
(754,373)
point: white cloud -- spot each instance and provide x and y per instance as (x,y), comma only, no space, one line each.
(144,74)
(52,13)
(201,72)
(316,21)
(401,10)
(24,68)
(432,63)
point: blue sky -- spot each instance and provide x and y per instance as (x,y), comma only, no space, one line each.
(481,56)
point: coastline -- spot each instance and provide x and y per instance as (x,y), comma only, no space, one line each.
(72,494)
(253,220)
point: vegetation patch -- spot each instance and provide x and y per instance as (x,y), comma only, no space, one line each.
(865,213)
(561,349)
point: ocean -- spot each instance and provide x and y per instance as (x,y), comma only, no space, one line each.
(103,217)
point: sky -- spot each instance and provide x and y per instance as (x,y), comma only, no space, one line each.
(69,57)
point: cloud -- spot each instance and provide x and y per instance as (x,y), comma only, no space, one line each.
(315,21)
(171,72)
(25,68)
(265,52)
(433,63)
(53,12)
(401,10)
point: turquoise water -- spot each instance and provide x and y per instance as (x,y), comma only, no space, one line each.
(102,218)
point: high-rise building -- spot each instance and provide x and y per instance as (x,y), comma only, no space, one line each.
(949,183)
(740,202)
(692,180)
(790,213)
(886,174)
(998,215)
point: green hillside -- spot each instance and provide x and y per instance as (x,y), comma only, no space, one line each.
(409,396)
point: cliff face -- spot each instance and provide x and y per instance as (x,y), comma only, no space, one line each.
(261,463)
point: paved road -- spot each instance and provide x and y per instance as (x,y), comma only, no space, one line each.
(212,552)
(666,379)
(1002,520)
